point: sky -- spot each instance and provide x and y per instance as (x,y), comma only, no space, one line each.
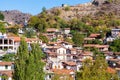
(34,7)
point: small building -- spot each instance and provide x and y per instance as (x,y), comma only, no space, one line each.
(6,70)
(115,33)
(66,30)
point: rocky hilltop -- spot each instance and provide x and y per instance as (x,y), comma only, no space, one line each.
(15,17)
(92,8)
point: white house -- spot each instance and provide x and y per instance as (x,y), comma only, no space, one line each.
(6,69)
(66,30)
(115,32)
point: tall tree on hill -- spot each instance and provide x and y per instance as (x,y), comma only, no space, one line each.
(28,64)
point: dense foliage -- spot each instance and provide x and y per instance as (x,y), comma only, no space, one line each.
(2,28)
(115,45)
(78,39)
(8,57)
(28,64)
(1,16)
(94,71)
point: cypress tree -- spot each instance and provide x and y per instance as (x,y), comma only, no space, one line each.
(38,68)
(28,64)
(21,61)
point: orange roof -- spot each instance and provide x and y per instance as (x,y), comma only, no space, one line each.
(6,63)
(51,53)
(7,73)
(51,30)
(16,39)
(32,39)
(102,46)
(94,35)
(111,70)
(96,45)
(70,63)
(62,71)
(87,53)
(89,45)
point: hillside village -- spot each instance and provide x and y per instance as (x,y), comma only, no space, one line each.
(67,50)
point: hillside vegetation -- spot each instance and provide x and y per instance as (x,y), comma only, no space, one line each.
(95,17)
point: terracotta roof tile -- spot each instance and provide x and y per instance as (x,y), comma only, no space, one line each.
(62,71)
(96,45)
(51,30)
(111,70)
(70,63)
(7,73)
(6,63)
(94,35)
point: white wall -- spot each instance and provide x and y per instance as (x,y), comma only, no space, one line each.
(68,46)
(3,68)
(67,31)
(61,51)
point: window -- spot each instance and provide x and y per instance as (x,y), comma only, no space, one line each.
(59,51)
(6,66)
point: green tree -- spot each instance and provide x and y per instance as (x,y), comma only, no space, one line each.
(14,29)
(43,38)
(67,8)
(2,28)
(44,9)
(21,61)
(69,40)
(28,63)
(76,24)
(1,16)
(30,33)
(8,57)
(57,12)
(33,21)
(38,73)
(115,45)
(78,39)
(94,71)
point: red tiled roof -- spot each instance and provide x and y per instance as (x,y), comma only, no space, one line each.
(87,53)
(94,35)
(51,30)
(7,73)
(51,53)
(70,63)
(16,39)
(62,71)
(96,45)
(111,70)
(6,63)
